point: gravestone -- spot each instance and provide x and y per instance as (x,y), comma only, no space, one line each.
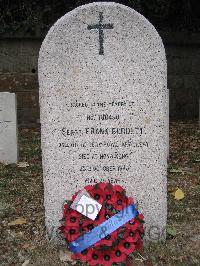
(8,128)
(104,109)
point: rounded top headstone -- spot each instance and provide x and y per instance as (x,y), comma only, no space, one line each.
(104,107)
(102,28)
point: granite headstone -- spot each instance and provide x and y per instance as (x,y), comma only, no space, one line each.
(104,109)
(8,128)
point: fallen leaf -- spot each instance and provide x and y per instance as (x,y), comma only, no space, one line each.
(179,194)
(18,221)
(23,164)
(5,164)
(171,230)
(25,263)
(65,256)
(26,246)
(175,171)
(25,130)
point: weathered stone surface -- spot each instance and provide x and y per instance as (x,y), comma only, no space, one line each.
(8,128)
(104,109)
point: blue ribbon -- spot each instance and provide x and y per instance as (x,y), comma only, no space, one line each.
(104,229)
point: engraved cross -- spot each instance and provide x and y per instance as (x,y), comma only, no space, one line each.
(100,27)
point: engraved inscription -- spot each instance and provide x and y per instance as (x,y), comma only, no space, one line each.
(102,144)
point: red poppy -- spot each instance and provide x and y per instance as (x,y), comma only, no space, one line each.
(120,232)
(66,208)
(97,194)
(140,216)
(108,214)
(118,255)
(141,229)
(96,258)
(126,247)
(72,220)
(115,234)
(133,224)
(102,185)
(138,244)
(74,196)
(131,236)
(118,188)
(72,233)
(110,195)
(72,212)
(88,188)
(67,205)
(121,202)
(107,258)
(103,215)
(100,218)
(130,200)
(85,255)
(107,241)
(62,228)
(88,225)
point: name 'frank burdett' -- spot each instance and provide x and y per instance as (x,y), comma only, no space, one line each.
(102,131)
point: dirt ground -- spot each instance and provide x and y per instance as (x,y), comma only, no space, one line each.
(23,242)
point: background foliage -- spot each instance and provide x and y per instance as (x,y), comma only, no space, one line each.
(38,15)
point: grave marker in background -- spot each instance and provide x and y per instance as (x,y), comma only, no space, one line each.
(8,128)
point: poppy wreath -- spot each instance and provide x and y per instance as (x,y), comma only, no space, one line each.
(114,248)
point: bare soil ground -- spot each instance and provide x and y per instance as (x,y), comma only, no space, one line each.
(21,196)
